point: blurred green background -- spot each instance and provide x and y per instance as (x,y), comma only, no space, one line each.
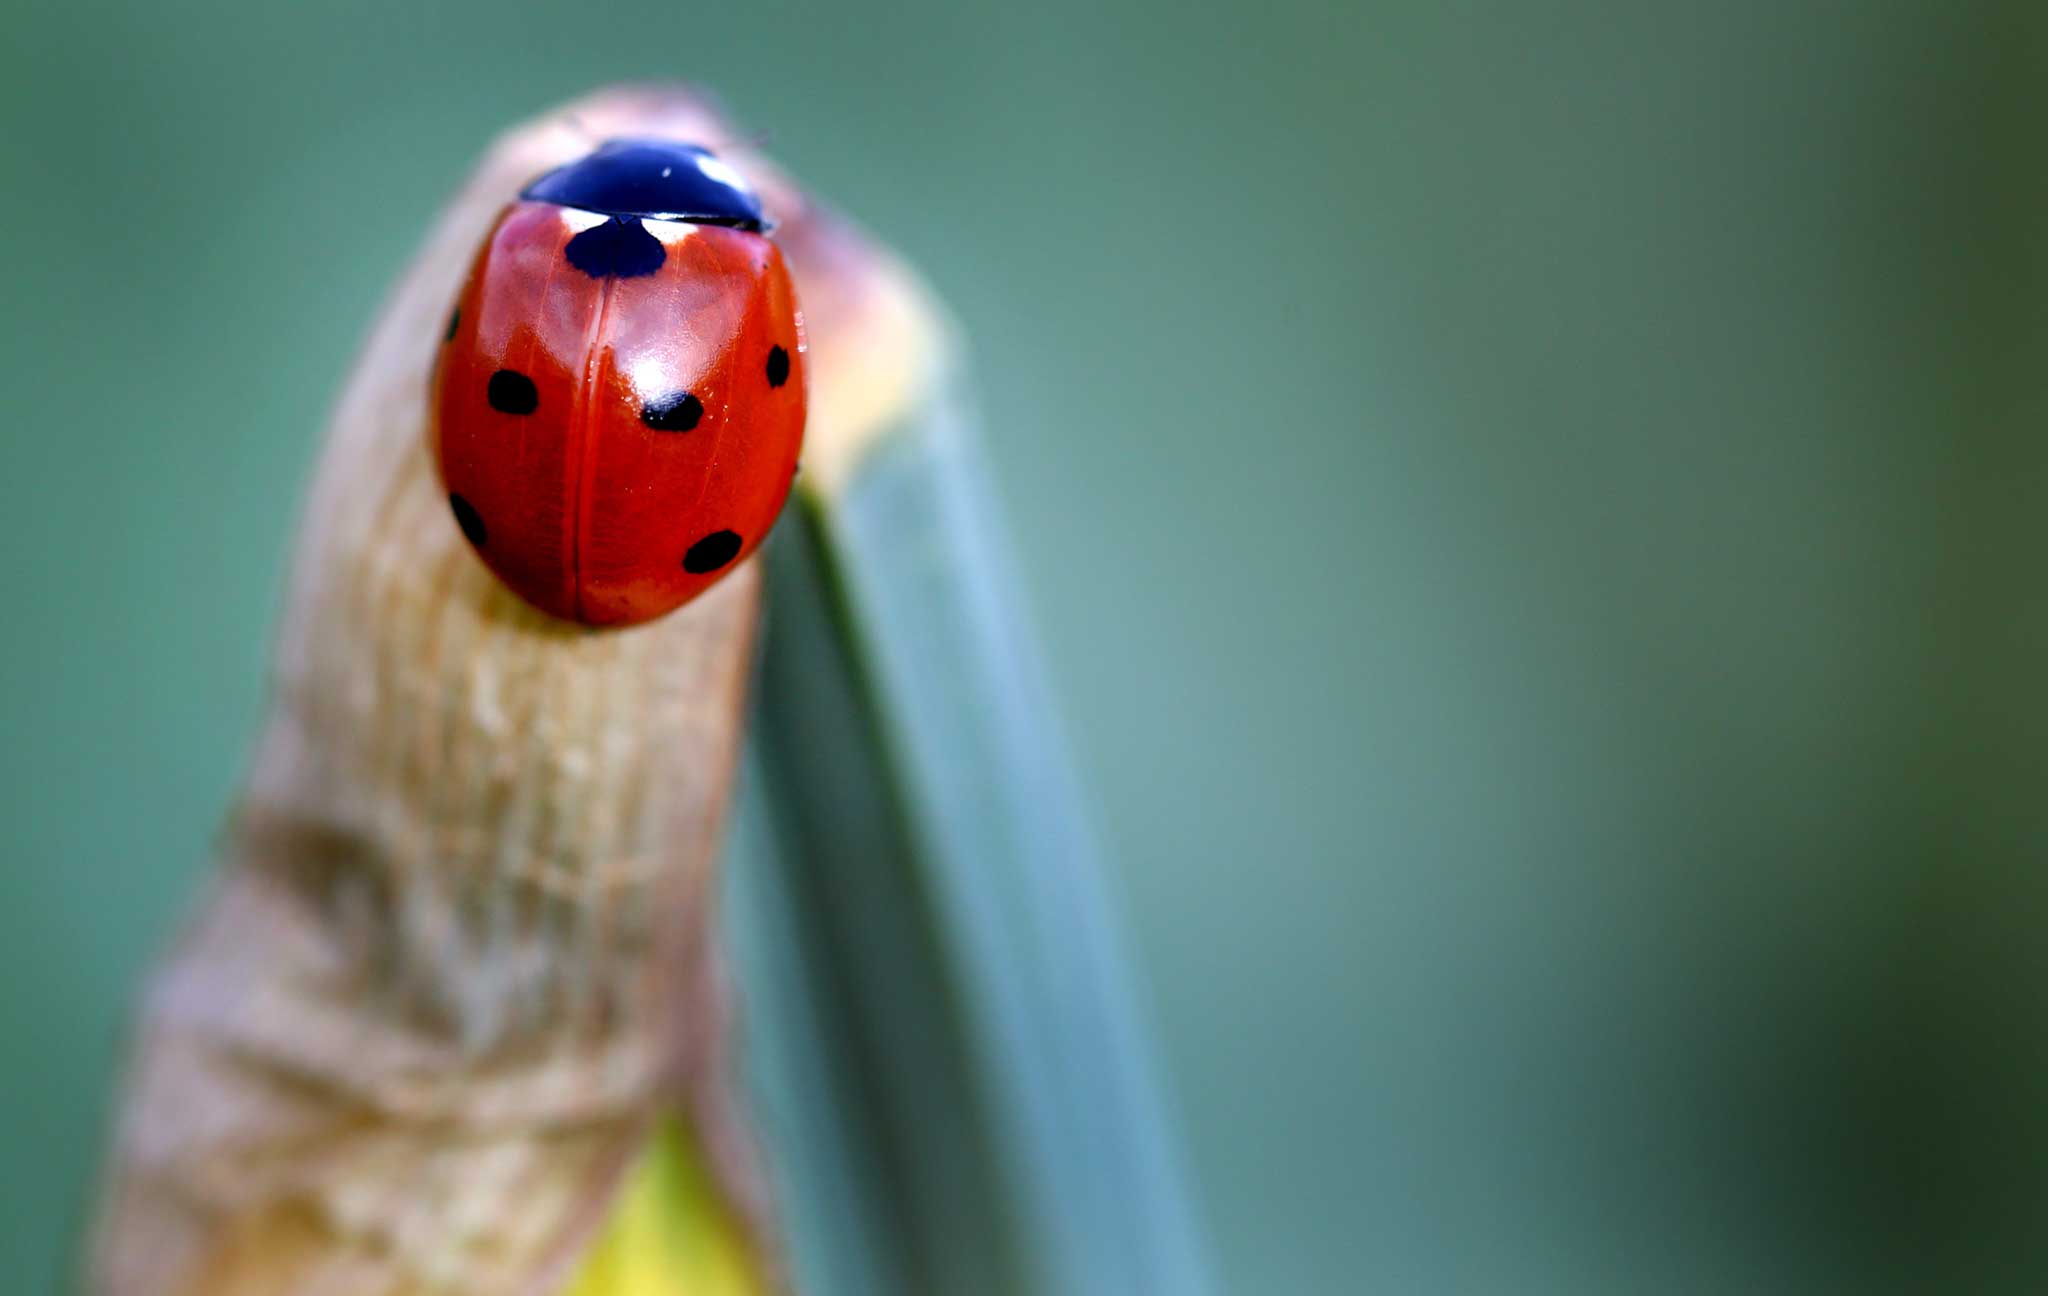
(1534,510)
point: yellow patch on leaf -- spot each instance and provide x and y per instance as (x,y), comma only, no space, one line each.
(671,1234)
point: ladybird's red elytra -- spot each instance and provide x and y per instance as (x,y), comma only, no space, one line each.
(618,406)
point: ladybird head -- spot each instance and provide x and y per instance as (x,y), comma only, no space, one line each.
(653,178)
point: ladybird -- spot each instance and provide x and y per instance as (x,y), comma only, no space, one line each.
(618,404)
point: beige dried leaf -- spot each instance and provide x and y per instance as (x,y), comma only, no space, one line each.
(456,954)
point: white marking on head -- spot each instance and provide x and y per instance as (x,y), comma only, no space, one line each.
(669,232)
(718,170)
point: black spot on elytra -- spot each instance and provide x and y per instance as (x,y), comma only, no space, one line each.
(711,553)
(471,521)
(675,412)
(778,367)
(621,247)
(453,319)
(512,392)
